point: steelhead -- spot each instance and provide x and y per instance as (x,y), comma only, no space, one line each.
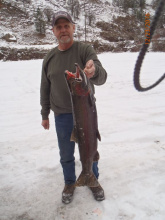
(85,131)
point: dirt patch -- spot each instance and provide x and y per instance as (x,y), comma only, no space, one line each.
(22,54)
(122,29)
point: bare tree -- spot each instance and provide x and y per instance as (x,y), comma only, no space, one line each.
(48,13)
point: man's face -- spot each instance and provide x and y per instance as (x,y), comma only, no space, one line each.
(63,30)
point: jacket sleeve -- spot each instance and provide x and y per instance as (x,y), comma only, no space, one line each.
(100,75)
(45,93)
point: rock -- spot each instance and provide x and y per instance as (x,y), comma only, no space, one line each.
(9,38)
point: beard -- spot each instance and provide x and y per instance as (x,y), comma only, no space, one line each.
(65,41)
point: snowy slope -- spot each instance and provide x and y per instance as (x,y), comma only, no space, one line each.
(25,24)
(132,150)
(20,23)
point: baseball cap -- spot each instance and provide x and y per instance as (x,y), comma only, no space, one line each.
(61,14)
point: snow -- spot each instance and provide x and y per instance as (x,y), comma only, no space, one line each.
(132,150)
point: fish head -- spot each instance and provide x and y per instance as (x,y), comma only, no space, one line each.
(77,82)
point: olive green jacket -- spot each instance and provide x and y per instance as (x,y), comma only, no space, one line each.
(54,91)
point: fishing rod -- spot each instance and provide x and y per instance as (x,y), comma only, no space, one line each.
(144,50)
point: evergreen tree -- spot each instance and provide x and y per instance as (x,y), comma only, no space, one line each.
(155,3)
(74,7)
(137,6)
(142,4)
(39,21)
(91,18)
(117,3)
(161,22)
(76,10)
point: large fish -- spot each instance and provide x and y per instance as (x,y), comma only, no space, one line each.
(85,131)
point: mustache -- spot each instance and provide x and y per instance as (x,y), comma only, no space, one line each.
(64,35)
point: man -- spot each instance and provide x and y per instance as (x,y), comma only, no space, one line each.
(55,94)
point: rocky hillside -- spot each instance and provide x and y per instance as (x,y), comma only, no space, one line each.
(26,32)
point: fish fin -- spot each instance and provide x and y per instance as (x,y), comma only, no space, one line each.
(91,98)
(74,135)
(96,157)
(87,180)
(98,135)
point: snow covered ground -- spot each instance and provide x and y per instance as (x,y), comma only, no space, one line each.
(132,150)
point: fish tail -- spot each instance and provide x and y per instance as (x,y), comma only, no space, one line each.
(87,180)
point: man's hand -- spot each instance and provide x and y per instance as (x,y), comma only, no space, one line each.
(45,124)
(89,69)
